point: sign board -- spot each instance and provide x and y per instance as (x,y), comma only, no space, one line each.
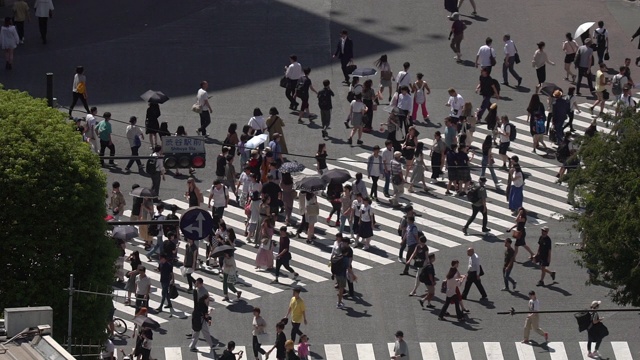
(182,145)
(196,223)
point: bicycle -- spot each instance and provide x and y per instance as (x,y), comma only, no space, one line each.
(119,325)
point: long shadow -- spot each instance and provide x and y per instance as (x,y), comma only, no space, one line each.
(552,287)
(154,45)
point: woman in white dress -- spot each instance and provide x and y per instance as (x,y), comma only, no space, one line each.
(9,38)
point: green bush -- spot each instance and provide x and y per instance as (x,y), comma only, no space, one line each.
(52,224)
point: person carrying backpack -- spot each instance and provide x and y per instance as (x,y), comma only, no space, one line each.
(325,105)
(618,81)
(478,198)
(601,35)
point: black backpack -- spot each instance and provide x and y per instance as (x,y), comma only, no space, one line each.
(337,264)
(474,195)
(496,83)
(150,167)
(563,152)
(602,40)
(616,85)
(512,132)
(154,229)
(300,85)
(324,99)
(584,320)
(561,108)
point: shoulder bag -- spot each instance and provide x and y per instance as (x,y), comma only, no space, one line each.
(516,57)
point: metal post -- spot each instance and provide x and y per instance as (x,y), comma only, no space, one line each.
(50,90)
(71,290)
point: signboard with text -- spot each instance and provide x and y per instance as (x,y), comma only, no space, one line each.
(182,145)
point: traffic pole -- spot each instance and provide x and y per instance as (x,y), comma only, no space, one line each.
(69,326)
(50,90)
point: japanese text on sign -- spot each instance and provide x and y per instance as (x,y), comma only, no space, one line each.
(182,144)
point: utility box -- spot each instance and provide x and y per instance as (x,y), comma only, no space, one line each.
(18,319)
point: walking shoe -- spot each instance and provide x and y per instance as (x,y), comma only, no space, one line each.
(514,285)
(198,132)
(329,220)
(404,273)
(400,259)
(295,275)
(339,305)
(300,121)
(346,124)
(519,82)
(504,289)
(540,283)
(360,142)
(325,134)
(546,337)
(474,13)
(486,230)
(349,141)
(431,306)
(464,230)
(421,303)
(338,223)
(159,309)
(239,294)
(553,275)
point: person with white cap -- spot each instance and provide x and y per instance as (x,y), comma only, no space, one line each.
(596,330)
(543,256)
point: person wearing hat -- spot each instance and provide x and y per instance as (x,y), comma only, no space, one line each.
(559,113)
(479,194)
(543,256)
(532,319)
(595,332)
(457,31)
(280,344)
(396,178)
(400,348)
(584,61)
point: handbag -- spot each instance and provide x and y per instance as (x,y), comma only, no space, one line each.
(284,82)
(351,68)
(481,273)
(196,108)
(247,208)
(606,56)
(232,278)
(516,234)
(186,270)
(173,291)
(492,60)
(605,94)
(516,57)
(386,75)
(397,179)
(443,287)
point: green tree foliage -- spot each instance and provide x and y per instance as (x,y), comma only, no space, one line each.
(52,217)
(608,188)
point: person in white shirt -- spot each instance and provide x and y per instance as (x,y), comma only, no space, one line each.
(626,100)
(135,137)
(367,222)
(510,52)
(244,180)
(532,319)
(375,168)
(90,129)
(220,196)
(405,104)
(505,132)
(601,38)
(158,174)
(292,72)
(486,56)
(258,123)
(79,90)
(44,11)
(357,111)
(473,275)
(202,99)
(455,104)
(403,78)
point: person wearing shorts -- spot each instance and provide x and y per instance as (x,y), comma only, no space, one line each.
(543,257)
(505,132)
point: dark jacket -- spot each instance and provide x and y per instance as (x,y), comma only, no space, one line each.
(347,54)
(635,35)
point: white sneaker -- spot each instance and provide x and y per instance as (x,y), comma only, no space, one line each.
(596,354)
(400,260)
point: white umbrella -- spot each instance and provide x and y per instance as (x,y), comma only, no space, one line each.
(583,29)
(256,141)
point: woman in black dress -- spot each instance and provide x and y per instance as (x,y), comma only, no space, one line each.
(409,149)
(151,123)
(521,233)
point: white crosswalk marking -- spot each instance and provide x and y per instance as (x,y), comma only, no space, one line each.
(173,353)
(583,349)
(461,350)
(493,351)
(525,351)
(365,351)
(621,350)
(429,351)
(333,351)
(557,351)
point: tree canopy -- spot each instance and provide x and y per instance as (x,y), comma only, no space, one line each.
(52,217)
(608,189)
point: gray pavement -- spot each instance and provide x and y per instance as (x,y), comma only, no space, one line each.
(240,47)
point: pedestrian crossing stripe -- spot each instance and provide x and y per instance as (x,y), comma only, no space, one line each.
(619,350)
(543,197)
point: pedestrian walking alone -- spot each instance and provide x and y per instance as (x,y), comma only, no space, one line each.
(539,62)
(511,57)
(400,348)
(520,232)
(543,256)
(135,137)
(258,333)
(478,198)
(570,47)
(509,258)
(200,322)
(203,108)
(516,185)
(532,320)
(284,255)
(44,11)
(457,32)
(20,15)
(9,40)
(473,275)
(344,51)
(79,91)
(298,312)
(597,331)
(386,76)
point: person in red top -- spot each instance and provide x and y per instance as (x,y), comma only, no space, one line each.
(457,31)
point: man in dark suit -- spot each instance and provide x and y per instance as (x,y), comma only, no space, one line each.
(344,51)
